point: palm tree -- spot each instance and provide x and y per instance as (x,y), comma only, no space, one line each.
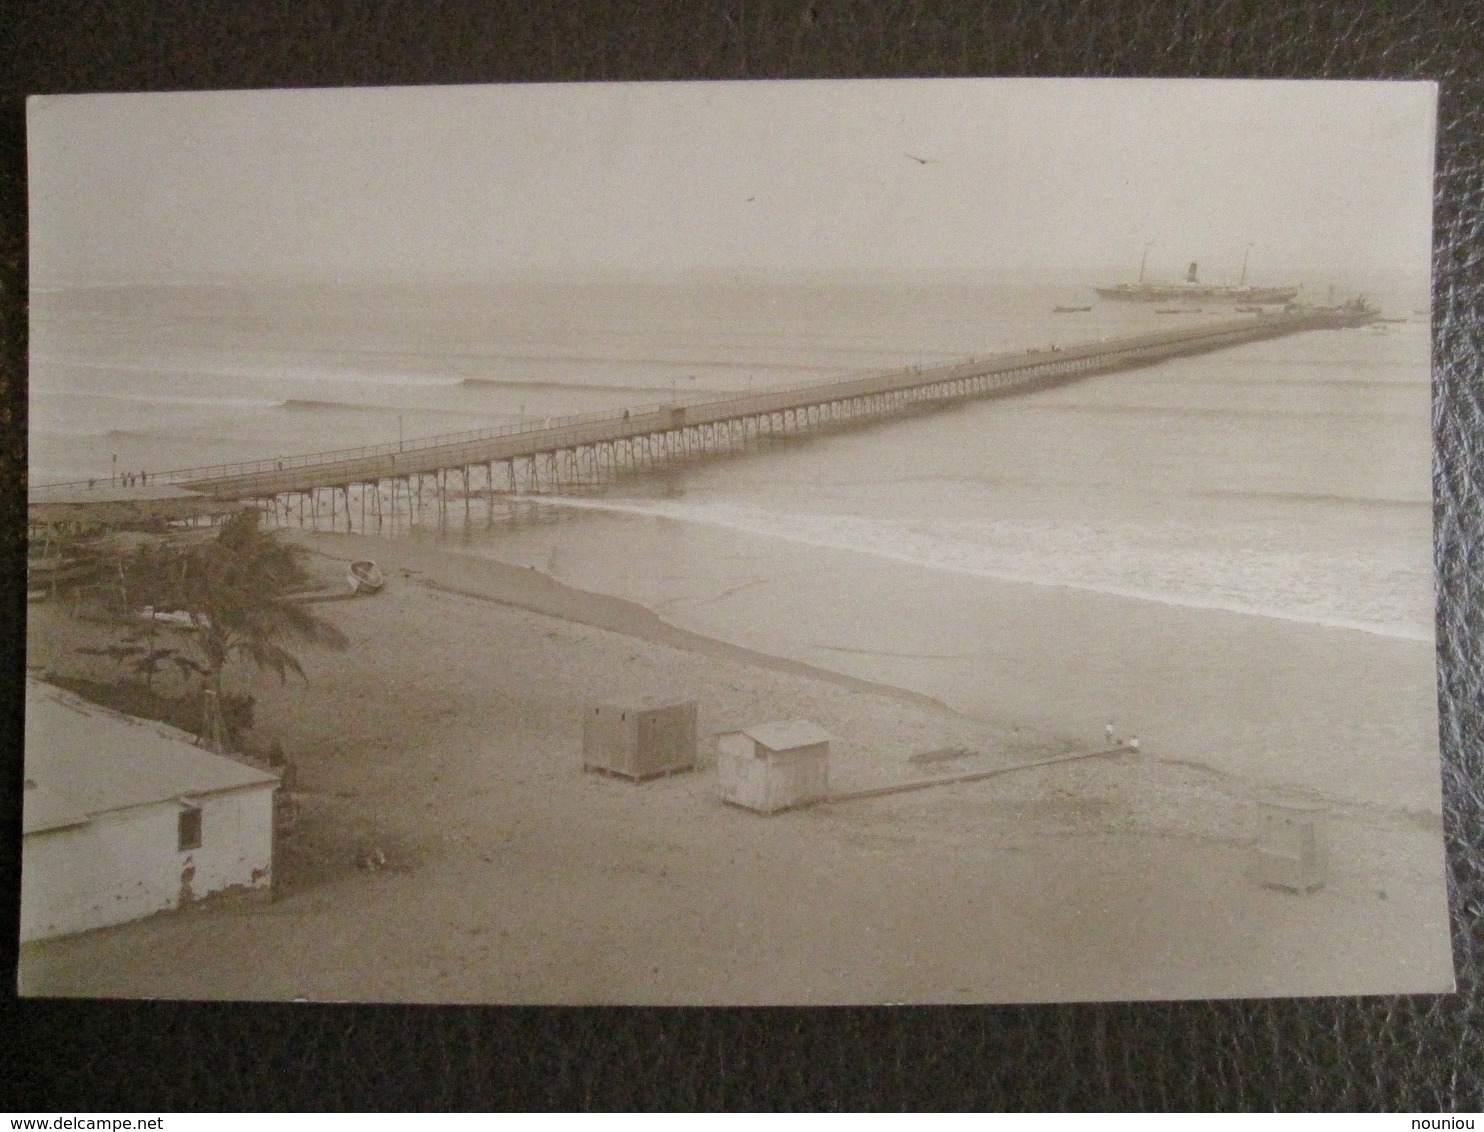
(237,590)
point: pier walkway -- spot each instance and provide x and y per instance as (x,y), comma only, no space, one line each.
(577,452)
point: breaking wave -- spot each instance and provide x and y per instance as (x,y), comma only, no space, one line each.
(561,386)
(175,368)
(171,399)
(88,433)
(1320,498)
(1172,565)
(1203,413)
(311,405)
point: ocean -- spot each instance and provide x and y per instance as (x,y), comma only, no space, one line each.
(1287,480)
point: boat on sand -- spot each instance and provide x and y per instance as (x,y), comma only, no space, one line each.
(366,577)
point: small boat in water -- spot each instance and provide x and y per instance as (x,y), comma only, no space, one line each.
(366,577)
(1069,310)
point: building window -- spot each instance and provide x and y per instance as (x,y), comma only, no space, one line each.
(188,829)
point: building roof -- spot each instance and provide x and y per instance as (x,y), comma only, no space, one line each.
(787,734)
(83,760)
(47,809)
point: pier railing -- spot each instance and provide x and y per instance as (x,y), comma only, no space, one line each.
(480,446)
(543,426)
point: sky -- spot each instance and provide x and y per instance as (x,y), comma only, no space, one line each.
(991,179)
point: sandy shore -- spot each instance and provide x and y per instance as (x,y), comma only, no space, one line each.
(448,736)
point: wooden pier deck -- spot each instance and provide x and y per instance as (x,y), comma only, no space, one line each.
(579,452)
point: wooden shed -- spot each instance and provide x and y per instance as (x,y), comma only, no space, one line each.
(640,738)
(774,766)
(1290,851)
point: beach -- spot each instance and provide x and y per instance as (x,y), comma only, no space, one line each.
(447,740)
(1226,557)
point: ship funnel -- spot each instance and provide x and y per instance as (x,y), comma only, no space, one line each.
(1190,275)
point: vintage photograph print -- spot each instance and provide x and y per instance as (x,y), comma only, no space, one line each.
(726,543)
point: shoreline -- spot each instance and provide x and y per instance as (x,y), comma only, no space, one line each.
(449,737)
(449,846)
(1277,704)
(529,589)
(1398,631)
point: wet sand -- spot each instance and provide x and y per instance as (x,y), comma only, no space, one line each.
(536,592)
(448,738)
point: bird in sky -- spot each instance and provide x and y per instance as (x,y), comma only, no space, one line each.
(921,160)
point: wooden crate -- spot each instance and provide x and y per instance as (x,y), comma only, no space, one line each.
(641,738)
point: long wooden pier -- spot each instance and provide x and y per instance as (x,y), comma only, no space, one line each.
(365,487)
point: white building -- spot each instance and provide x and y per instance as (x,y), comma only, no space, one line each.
(774,766)
(126,817)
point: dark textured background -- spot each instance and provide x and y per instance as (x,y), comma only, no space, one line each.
(1401,1053)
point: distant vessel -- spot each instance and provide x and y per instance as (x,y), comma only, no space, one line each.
(1069,310)
(1193,288)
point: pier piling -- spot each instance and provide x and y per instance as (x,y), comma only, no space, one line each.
(583,453)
